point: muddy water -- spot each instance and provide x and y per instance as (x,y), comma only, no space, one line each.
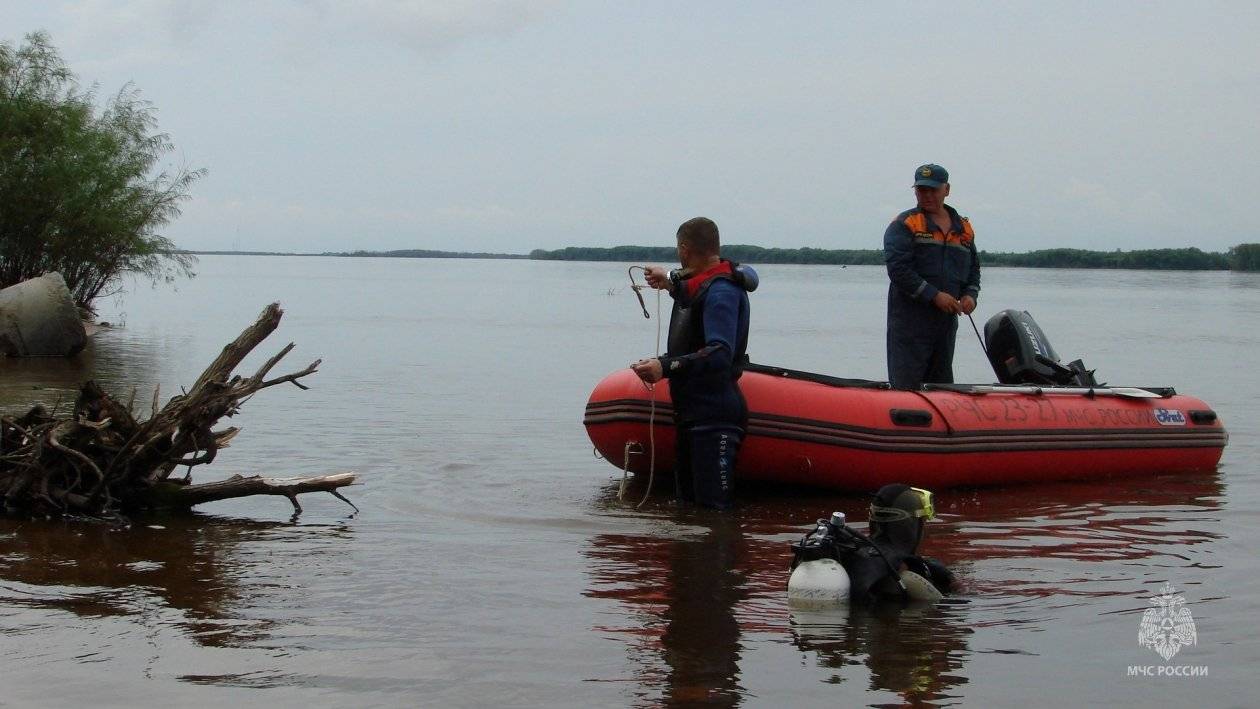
(493,564)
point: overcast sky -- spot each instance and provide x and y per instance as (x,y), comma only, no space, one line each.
(506,126)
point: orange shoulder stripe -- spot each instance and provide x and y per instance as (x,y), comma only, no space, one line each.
(916,223)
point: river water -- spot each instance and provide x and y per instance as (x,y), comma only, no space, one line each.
(492,563)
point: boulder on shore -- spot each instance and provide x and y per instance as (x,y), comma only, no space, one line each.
(38,319)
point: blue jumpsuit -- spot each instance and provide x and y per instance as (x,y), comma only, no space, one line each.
(923,261)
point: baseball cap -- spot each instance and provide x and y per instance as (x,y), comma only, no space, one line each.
(930,175)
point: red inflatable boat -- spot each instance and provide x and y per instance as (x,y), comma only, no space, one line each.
(859,435)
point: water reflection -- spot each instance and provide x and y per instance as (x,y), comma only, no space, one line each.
(689,588)
(701,636)
(916,652)
(51,381)
(1126,533)
(117,359)
(198,566)
(695,585)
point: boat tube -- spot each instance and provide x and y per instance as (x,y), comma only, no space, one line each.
(858,435)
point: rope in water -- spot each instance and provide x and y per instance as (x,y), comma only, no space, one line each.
(625,471)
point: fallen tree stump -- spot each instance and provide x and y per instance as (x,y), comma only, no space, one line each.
(102,462)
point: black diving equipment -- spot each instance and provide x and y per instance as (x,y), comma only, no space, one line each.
(878,564)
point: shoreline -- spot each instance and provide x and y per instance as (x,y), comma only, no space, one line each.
(1147,260)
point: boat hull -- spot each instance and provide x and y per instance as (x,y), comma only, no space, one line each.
(852,435)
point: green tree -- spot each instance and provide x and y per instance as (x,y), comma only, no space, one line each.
(80,192)
(1245,257)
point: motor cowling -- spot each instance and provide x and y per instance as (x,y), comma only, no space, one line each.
(1021,354)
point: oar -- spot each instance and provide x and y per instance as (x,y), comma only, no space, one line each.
(1127,392)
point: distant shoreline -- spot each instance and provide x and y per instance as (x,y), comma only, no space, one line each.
(1239,258)
(408,253)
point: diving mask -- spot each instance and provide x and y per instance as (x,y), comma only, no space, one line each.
(925,509)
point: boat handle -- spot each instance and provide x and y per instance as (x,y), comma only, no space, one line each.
(911,417)
(1203,417)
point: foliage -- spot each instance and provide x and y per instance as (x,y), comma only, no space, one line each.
(426,253)
(737,252)
(1162,259)
(1189,259)
(615,253)
(1245,257)
(79,192)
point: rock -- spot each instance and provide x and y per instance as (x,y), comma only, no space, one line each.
(38,319)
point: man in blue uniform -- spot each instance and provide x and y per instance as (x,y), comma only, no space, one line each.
(934,271)
(708,341)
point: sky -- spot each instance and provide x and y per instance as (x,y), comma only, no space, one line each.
(506,126)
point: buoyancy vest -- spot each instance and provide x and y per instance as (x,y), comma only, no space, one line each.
(701,391)
(686,323)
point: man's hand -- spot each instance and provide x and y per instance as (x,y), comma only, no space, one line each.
(649,370)
(657,277)
(947,303)
(968,304)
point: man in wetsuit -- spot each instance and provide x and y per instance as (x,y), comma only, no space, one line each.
(934,276)
(708,340)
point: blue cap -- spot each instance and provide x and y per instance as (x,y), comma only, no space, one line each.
(930,175)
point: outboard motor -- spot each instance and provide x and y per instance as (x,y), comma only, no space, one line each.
(1021,354)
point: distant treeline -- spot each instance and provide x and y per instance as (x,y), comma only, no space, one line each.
(239,253)
(1190,259)
(424,253)
(737,252)
(1244,257)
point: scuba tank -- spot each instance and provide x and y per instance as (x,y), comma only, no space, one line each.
(818,579)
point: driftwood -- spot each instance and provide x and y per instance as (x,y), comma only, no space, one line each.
(101,462)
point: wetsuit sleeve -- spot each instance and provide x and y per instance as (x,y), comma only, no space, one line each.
(678,291)
(899,258)
(972,286)
(721,329)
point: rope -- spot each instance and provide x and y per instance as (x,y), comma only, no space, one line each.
(652,413)
(625,469)
(625,472)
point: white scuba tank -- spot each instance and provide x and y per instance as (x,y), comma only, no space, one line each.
(818,583)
